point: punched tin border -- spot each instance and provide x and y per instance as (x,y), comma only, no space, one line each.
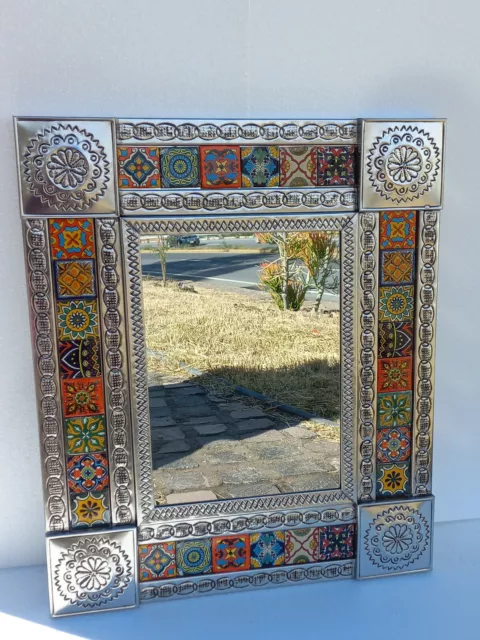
(346,224)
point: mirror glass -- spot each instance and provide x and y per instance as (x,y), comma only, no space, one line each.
(243,356)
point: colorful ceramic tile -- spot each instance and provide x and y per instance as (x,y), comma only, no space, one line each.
(220,167)
(337,542)
(74,279)
(231,553)
(180,167)
(194,557)
(80,358)
(88,472)
(336,165)
(397,229)
(394,445)
(267,549)
(138,167)
(77,319)
(395,304)
(85,435)
(260,167)
(301,546)
(90,510)
(397,267)
(395,339)
(82,397)
(394,374)
(395,409)
(298,166)
(393,479)
(72,239)
(157,561)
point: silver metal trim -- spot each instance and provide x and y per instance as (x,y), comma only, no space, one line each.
(115,371)
(336,514)
(132,228)
(47,382)
(240,201)
(276,576)
(367,373)
(243,132)
(424,355)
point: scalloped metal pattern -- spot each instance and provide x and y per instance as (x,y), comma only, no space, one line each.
(47,383)
(120,447)
(425,352)
(368,277)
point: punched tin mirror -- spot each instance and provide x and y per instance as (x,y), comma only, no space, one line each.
(233,329)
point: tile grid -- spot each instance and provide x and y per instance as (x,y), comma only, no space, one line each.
(242,552)
(73,254)
(397,270)
(233,166)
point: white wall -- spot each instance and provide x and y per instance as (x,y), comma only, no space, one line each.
(261,58)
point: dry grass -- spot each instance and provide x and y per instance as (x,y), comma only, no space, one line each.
(290,357)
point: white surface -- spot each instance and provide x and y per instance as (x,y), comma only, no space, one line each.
(437,605)
(263,58)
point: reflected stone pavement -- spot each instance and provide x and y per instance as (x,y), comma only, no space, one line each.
(209,447)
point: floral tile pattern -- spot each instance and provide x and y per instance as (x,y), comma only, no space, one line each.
(72,239)
(260,167)
(298,167)
(394,374)
(88,472)
(74,279)
(301,546)
(77,319)
(90,510)
(82,397)
(396,304)
(267,549)
(85,434)
(194,557)
(337,542)
(231,553)
(398,229)
(180,167)
(395,339)
(80,358)
(397,267)
(220,167)
(393,479)
(138,167)
(157,561)
(336,166)
(394,445)
(395,409)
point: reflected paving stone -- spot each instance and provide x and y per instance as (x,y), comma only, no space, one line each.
(299,432)
(199,420)
(272,435)
(247,413)
(181,481)
(209,429)
(176,446)
(191,496)
(161,422)
(272,451)
(169,462)
(247,490)
(325,447)
(311,482)
(245,475)
(160,412)
(190,390)
(300,467)
(186,401)
(254,424)
(221,456)
(157,402)
(168,434)
(232,406)
(191,412)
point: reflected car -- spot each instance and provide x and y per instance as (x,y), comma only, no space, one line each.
(181,241)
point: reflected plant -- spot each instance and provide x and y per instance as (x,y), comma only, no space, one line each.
(290,296)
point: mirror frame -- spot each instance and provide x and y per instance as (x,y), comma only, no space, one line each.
(93,219)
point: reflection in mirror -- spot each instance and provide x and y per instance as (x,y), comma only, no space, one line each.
(243,355)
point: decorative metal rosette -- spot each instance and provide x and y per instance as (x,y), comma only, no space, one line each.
(397,537)
(92,572)
(66,168)
(403,163)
